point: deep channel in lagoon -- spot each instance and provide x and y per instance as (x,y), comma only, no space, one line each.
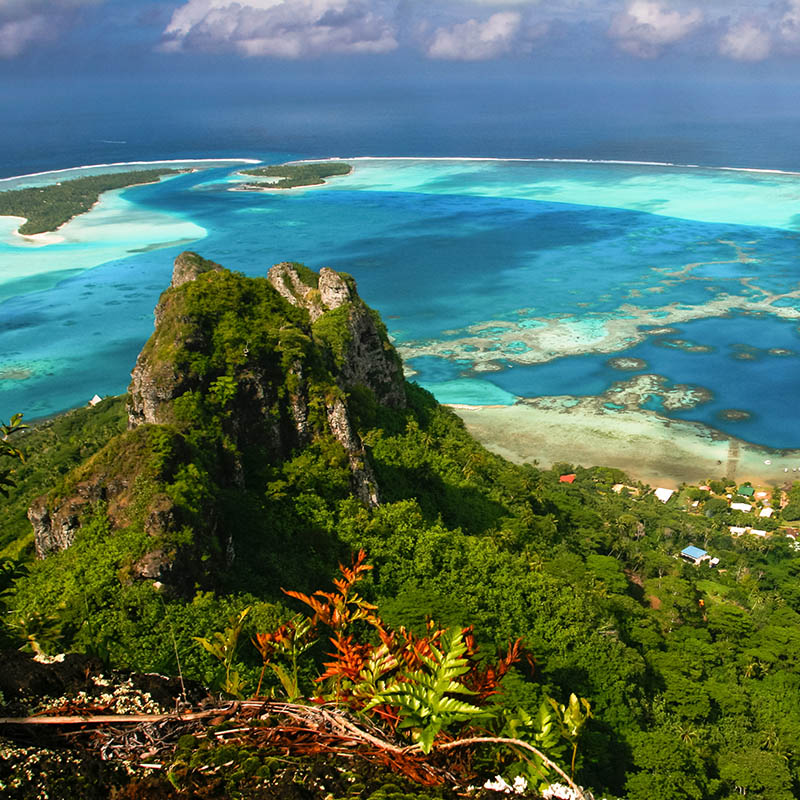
(496,280)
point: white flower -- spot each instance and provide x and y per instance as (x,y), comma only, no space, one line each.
(43,658)
(499,785)
(557,791)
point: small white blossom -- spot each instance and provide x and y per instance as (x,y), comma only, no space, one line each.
(520,785)
(43,658)
(557,791)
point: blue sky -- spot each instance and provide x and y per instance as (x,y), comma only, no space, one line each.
(715,37)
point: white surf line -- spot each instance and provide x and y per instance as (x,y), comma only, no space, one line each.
(138,164)
(549,161)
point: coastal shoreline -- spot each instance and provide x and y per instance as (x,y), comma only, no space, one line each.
(134,164)
(270,183)
(545,160)
(649,448)
(43,238)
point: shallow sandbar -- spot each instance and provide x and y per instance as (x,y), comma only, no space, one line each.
(649,448)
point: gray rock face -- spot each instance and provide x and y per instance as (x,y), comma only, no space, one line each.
(286,280)
(188,267)
(370,359)
(333,291)
(362,475)
(51,535)
(150,392)
(54,526)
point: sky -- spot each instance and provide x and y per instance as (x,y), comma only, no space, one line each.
(714,82)
(682,37)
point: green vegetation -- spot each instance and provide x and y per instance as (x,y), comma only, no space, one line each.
(7,450)
(48,207)
(51,450)
(690,672)
(293,175)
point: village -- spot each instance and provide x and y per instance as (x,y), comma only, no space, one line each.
(760,512)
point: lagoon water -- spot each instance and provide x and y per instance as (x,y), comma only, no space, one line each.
(497,279)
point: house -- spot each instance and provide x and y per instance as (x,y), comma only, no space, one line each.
(766,512)
(746,491)
(95,400)
(695,555)
(568,478)
(664,494)
(762,534)
(741,507)
(736,531)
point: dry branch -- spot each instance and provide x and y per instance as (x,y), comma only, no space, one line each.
(150,739)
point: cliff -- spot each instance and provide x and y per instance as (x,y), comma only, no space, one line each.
(239,374)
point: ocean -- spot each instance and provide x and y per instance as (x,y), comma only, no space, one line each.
(666,283)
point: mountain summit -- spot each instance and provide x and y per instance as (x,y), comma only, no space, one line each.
(238,374)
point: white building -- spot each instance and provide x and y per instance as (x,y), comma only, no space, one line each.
(664,494)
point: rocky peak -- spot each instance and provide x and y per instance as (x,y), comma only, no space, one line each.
(285,279)
(261,376)
(333,289)
(367,357)
(189,266)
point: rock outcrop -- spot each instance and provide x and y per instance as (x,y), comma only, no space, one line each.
(269,364)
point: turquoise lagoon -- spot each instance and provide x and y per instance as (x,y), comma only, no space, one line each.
(496,279)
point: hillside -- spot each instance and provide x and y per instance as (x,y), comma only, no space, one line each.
(268,437)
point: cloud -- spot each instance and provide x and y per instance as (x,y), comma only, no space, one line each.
(746,41)
(281,28)
(789,26)
(474,41)
(646,27)
(24,23)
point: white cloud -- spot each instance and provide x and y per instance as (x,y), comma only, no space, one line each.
(473,40)
(24,23)
(15,36)
(281,28)
(646,27)
(746,41)
(789,25)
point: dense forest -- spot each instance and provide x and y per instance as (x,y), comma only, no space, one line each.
(48,207)
(200,531)
(294,175)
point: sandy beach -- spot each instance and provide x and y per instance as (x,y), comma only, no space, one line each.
(650,448)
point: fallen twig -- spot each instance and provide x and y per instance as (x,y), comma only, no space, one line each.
(113,719)
(515,743)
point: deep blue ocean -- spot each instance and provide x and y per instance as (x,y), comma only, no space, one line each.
(468,266)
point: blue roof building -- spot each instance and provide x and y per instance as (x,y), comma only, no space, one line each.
(694,554)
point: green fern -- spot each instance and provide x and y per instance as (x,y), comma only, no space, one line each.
(424,697)
(223,647)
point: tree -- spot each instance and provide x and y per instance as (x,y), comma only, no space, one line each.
(669,768)
(8,450)
(756,773)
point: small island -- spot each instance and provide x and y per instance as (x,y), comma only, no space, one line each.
(292,176)
(47,208)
